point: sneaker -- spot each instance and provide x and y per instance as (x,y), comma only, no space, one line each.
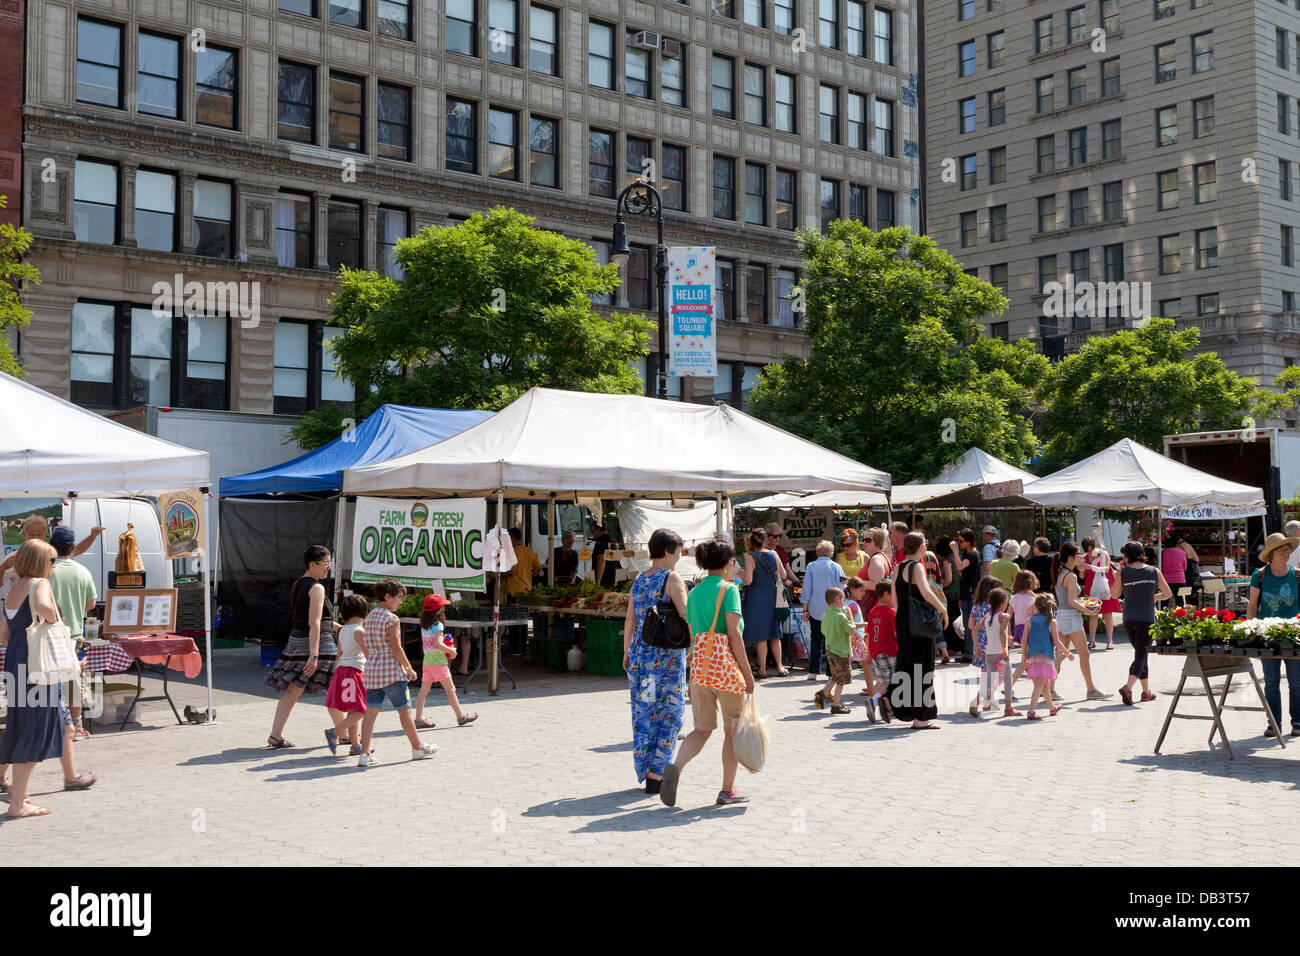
(871,710)
(1295,732)
(886,710)
(840,709)
(819,699)
(1096,694)
(1148,696)
(1125,695)
(366,760)
(735,796)
(1056,696)
(668,785)
(427,750)
(1268,732)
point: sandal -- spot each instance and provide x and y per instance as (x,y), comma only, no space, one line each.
(1054,711)
(1033,716)
(464,719)
(332,738)
(4,786)
(25,812)
(423,724)
(82,781)
(278,743)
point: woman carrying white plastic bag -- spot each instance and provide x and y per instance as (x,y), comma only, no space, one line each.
(750,736)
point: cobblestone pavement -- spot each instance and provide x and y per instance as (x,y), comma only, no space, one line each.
(545,777)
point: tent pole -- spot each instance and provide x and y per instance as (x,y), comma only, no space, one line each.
(207,620)
(340,511)
(550,558)
(494,682)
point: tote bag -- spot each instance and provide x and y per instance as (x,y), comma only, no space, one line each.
(51,652)
(712,664)
(751,736)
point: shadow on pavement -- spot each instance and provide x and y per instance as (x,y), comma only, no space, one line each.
(605,803)
(660,817)
(610,748)
(1215,762)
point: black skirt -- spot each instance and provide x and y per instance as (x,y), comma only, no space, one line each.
(911,691)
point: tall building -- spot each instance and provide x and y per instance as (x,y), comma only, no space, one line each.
(270,143)
(1151,146)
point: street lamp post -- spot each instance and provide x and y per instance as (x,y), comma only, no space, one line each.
(642,199)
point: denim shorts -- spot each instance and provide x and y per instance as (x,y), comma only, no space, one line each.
(397,693)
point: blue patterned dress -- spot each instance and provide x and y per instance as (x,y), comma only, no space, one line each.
(656,678)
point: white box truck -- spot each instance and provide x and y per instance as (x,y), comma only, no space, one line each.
(1268,458)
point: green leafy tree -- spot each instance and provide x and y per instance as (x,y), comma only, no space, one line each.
(898,375)
(1274,404)
(14,243)
(1142,384)
(487,310)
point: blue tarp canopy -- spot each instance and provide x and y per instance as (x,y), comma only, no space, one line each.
(391,431)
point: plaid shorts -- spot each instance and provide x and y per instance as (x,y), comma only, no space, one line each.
(882,667)
(840,668)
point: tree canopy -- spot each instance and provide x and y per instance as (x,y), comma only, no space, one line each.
(14,243)
(488,309)
(898,375)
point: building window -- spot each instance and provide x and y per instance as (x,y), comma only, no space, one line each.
(461,25)
(886,208)
(1281,47)
(394,19)
(756,13)
(1167,126)
(1207,248)
(997,107)
(1205,178)
(1046,272)
(1111,145)
(1284,179)
(155,210)
(1112,258)
(969,166)
(1288,305)
(292,368)
(783,20)
(347,13)
(206,378)
(784,95)
(1164,8)
(600,163)
(755,194)
(1288,249)
(94,339)
(830,202)
(543,40)
(997,165)
(996,43)
(600,55)
(391,227)
(158,75)
(966,58)
(1076,85)
(1078,207)
(543,152)
(724,187)
(859,203)
(1202,117)
(1044,99)
(997,224)
(829,114)
(785,280)
(1202,52)
(1207,304)
(673,179)
(1074,26)
(343,234)
(885,126)
(855,115)
(638,159)
(723,8)
(1046,153)
(828,24)
(1042,34)
(999,330)
(99,63)
(1046,213)
(884,25)
(1110,77)
(333,386)
(1170,255)
(998,277)
(724,285)
(394,122)
(213,221)
(347,119)
(503,32)
(787,199)
(756,295)
(1112,201)
(1081,265)
(216,75)
(293,232)
(150,358)
(1283,114)
(462,136)
(724,85)
(1166,68)
(1171,308)
(965,9)
(636,71)
(503,144)
(966,115)
(855,28)
(638,279)
(95,202)
(297,102)
(755,95)
(672,90)
(1079,146)
(1167,190)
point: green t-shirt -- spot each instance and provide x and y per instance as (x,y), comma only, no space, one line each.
(1005,571)
(74,588)
(704,598)
(837,629)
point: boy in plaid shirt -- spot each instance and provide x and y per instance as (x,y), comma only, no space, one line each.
(388,672)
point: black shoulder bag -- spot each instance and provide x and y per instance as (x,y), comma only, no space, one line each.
(663,627)
(922,618)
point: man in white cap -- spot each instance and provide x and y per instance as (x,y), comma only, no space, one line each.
(1005,567)
(992,546)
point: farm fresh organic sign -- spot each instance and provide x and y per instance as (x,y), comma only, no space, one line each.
(419,542)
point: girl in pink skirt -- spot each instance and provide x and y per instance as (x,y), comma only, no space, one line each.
(346,697)
(1041,641)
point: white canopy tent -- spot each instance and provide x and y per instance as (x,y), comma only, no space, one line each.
(550,443)
(976,466)
(50,448)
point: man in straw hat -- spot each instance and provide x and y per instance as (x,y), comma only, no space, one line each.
(1275,592)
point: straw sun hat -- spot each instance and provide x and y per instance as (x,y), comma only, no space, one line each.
(1277,540)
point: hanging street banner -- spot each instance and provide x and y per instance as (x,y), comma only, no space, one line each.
(1210,512)
(181,514)
(693,342)
(418,542)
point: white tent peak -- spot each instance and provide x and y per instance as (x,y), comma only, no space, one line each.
(975,465)
(50,447)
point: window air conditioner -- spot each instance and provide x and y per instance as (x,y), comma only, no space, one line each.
(645,40)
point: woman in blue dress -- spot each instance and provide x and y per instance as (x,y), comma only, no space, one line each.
(34,727)
(761,575)
(656,676)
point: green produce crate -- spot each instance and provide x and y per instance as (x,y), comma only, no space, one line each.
(608,663)
(604,635)
(556,654)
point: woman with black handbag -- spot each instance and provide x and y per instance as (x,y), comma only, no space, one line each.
(655,639)
(921,618)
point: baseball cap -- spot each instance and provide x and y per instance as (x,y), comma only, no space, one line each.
(1011,549)
(989,529)
(435,602)
(62,535)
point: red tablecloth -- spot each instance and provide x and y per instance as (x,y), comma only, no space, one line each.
(109,659)
(155,649)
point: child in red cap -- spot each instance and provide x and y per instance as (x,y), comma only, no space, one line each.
(438,649)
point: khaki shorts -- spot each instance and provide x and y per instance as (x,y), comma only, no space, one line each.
(705,702)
